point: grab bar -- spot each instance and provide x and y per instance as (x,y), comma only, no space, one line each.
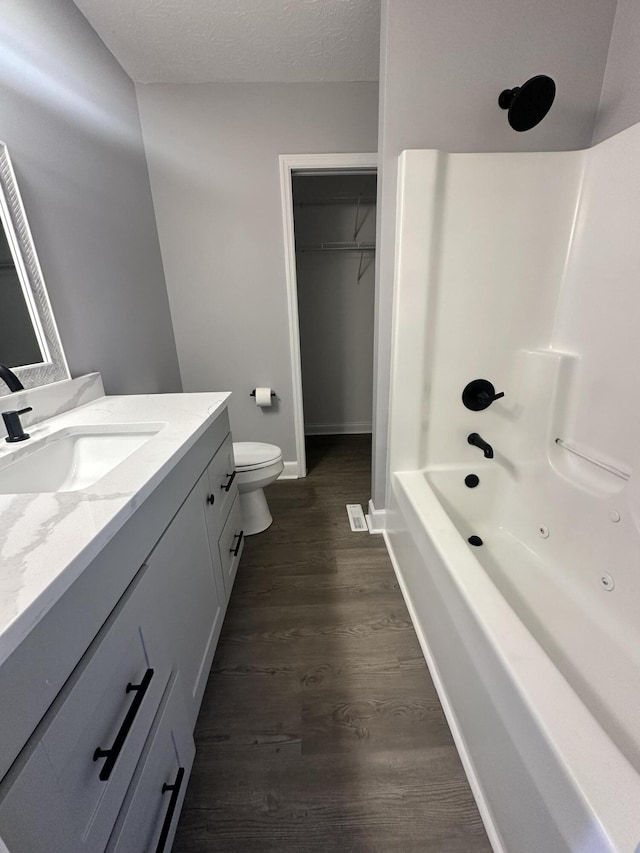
(615,471)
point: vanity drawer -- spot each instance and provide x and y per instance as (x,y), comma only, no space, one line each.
(108,704)
(149,815)
(222,487)
(230,546)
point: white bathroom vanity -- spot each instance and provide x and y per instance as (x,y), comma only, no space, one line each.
(113,594)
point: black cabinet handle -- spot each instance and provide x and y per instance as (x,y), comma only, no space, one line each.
(235,550)
(227,485)
(112,754)
(173,802)
(211,499)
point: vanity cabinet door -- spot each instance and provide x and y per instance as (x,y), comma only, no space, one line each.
(114,698)
(88,745)
(33,813)
(190,595)
(149,815)
(230,546)
(222,488)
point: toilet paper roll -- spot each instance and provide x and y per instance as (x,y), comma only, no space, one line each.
(263,397)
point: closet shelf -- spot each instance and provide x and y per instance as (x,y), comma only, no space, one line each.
(346,199)
(338,247)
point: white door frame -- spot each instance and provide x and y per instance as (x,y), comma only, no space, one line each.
(290,163)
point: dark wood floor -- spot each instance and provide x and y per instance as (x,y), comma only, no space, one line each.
(320,728)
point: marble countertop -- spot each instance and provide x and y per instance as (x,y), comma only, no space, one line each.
(48,539)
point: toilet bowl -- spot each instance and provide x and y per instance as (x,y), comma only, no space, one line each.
(257,465)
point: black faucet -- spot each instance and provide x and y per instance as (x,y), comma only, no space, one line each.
(11,380)
(478,441)
(15,432)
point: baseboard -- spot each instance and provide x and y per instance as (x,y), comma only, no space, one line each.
(353,428)
(290,471)
(376,519)
(449,712)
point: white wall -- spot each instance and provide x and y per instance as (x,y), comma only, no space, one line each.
(599,306)
(335,309)
(620,98)
(443,65)
(476,291)
(213,159)
(69,117)
(505,225)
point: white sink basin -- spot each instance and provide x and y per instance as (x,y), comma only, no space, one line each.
(72,459)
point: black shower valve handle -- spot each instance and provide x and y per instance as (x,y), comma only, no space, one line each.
(489,397)
(480,394)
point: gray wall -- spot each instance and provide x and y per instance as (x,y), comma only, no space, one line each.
(68,114)
(213,159)
(620,99)
(443,65)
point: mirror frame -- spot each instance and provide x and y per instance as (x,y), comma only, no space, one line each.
(53,366)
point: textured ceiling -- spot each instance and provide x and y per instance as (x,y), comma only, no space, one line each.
(199,41)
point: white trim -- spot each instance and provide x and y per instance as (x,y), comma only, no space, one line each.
(290,163)
(286,191)
(353,428)
(447,707)
(290,471)
(376,519)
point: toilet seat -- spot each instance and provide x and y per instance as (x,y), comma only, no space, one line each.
(253,455)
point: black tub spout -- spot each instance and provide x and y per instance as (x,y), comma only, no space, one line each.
(478,441)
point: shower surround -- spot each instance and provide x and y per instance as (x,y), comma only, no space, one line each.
(523,269)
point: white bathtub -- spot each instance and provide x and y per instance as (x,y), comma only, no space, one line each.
(537,665)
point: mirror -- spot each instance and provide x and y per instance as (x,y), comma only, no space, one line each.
(19,343)
(29,340)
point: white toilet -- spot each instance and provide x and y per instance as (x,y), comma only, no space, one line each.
(257,465)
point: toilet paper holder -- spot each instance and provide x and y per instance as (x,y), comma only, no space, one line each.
(253,393)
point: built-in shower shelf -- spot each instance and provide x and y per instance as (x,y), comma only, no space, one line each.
(588,470)
(599,463)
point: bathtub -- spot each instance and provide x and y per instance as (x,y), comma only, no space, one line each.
(535,657)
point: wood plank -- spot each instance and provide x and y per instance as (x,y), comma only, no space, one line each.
(374,711)
(415,800)
(296,650)
(233,724)
(369,579)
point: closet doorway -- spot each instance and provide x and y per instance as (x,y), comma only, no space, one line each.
(329,217)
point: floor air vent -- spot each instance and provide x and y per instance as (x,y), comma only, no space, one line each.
(356,518)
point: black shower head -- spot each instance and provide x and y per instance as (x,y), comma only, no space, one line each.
(528,104)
